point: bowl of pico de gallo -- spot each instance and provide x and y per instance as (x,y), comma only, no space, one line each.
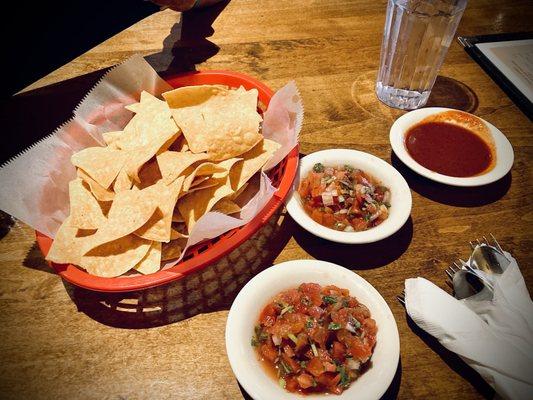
(349,196)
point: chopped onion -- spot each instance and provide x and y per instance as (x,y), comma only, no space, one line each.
(350,327)
(342,211)
(386,197)
(353,364)
(369,198)
(276,340)
(341,199)
(327,199)
(349,228)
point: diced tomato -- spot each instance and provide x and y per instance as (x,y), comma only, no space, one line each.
(268,315)
(338,351)
(289,323)
(315,311)
(360,312)
(319,334)
(304,188)
(268,351)
(291,297)
(315,366)
(329,379)
(316,215)
(332,290)
(301,342)
(312,290)
(369,325)
(330,367)
(291,363)
(305,380)
(328,220)
(359,224)
(359,350)
(291,384)
(288,350)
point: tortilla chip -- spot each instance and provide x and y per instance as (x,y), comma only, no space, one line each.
(149,175)
(134,107)
(201,184)
(123,182)
(194,205)
(253,162)
(152,260)
(111,137)
(152,123)
(173,163)
(116,257)
(157,228)
(101,193)
(176,216)
(85,212)
(226,206)
(204,169)
(227,165)
(239,191)
(100,163)
(130,210)
(66,247)
(172,249)
(175,234)
(225,123)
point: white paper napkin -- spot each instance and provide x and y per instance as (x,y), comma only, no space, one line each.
(495,337)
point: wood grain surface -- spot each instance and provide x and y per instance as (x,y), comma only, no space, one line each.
(60,342)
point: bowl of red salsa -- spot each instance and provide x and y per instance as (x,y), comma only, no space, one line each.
(311,328)
(349,196)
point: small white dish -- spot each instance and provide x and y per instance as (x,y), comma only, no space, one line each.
(504,150)
(244,314)
(400,202)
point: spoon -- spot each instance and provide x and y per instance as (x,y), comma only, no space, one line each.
(488,259)
(468,284)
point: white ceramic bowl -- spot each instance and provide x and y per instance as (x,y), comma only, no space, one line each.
(401,200)
(248,304)
(504,150)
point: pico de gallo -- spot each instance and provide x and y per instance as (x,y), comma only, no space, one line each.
(344,198)
(315,339)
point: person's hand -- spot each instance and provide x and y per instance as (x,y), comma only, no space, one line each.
(184,5)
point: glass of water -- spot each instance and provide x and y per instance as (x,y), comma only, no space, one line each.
(416,38)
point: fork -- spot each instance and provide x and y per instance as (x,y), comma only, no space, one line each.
(486,242)
(401,298)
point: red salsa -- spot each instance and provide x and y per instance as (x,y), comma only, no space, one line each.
(344,198)
(315,339)
(448,149)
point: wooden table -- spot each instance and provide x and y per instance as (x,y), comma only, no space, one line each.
(60,342)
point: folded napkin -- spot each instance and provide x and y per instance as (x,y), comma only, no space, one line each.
(495,337)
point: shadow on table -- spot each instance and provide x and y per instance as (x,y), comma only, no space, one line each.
(451,93)
(211,289)
(355,256)
(187,44)
(453,195)
(390,394)
(453,361)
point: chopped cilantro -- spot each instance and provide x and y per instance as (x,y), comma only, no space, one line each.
(254,342)
(309,323)
(333,326)
(282,382)
(318,167)
(329,299)
(349,168)
(285,367)
(345,378)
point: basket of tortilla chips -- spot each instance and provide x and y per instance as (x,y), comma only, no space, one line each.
(144,207)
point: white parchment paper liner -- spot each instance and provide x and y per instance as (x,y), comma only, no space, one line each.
(35,183)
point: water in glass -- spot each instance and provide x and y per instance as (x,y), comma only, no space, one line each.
(415,41)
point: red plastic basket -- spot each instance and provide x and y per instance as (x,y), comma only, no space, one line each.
(207,252)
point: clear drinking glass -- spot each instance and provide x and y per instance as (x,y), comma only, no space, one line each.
(416,38)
